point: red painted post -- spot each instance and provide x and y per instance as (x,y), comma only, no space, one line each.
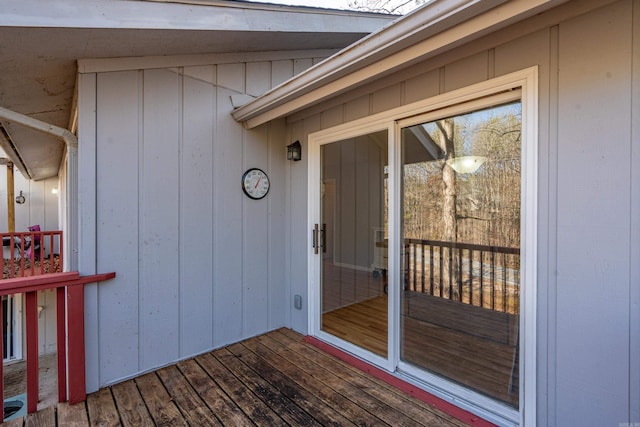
(60,259)
(75,318)
(1,366)
(31,306)
(61,330)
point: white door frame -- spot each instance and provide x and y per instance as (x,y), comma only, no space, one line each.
(521,84)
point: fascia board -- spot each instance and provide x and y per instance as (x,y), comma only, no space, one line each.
(218,15)
(452,24)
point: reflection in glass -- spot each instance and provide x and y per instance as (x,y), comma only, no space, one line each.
(354,264)
(461,249)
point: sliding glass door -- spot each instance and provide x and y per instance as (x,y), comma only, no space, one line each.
(422,261)
(351,241)
(460,203)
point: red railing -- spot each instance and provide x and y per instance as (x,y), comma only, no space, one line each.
(69,331)
(31,253)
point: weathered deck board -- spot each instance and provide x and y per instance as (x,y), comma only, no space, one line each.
(278,402)
(243,396)
(417,410)
(305,399)
(221,405)
(193,408)
(274,379)
(161,406)
(44,418)
(102,409)
(377,407)
(133,412)
(72,415)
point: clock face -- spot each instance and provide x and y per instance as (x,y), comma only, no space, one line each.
(255,183)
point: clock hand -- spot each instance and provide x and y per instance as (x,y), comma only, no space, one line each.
(256,186)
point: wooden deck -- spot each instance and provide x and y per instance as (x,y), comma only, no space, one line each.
(271,380)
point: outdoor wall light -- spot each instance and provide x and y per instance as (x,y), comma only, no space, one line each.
(20,199)
(294,151)
(466,164)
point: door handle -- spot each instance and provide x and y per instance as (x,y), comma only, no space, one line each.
(315,238)
(324,238)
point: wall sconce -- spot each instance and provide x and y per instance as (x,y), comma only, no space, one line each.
(54,190)
(466,164)
(20,199)
(294,151)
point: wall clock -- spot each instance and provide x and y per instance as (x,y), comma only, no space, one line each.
(255,183)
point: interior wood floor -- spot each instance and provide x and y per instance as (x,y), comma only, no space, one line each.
(272,380)
(472,346)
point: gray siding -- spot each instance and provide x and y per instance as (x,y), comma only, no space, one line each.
(588,229)
(199,265)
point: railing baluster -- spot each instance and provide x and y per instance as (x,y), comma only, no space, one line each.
(504,283)
(22,255)
(430,269)
(61,343)
(414,261)
(459,268)
(440,271)
(422,267)
(450,284)
(31,309)
(493,279)
(482,279)
(471,276)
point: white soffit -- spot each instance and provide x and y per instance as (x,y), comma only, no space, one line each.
(42,41)
(433,29)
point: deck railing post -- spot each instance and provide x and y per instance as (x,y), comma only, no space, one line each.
(76,357)
(31,314)
(1,366)
(61,331)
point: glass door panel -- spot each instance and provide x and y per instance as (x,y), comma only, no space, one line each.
(460,209)
(353,237)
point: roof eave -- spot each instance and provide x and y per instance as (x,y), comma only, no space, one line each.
(433,29)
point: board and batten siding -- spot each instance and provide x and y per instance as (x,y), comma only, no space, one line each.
(198,264)
(588,290)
